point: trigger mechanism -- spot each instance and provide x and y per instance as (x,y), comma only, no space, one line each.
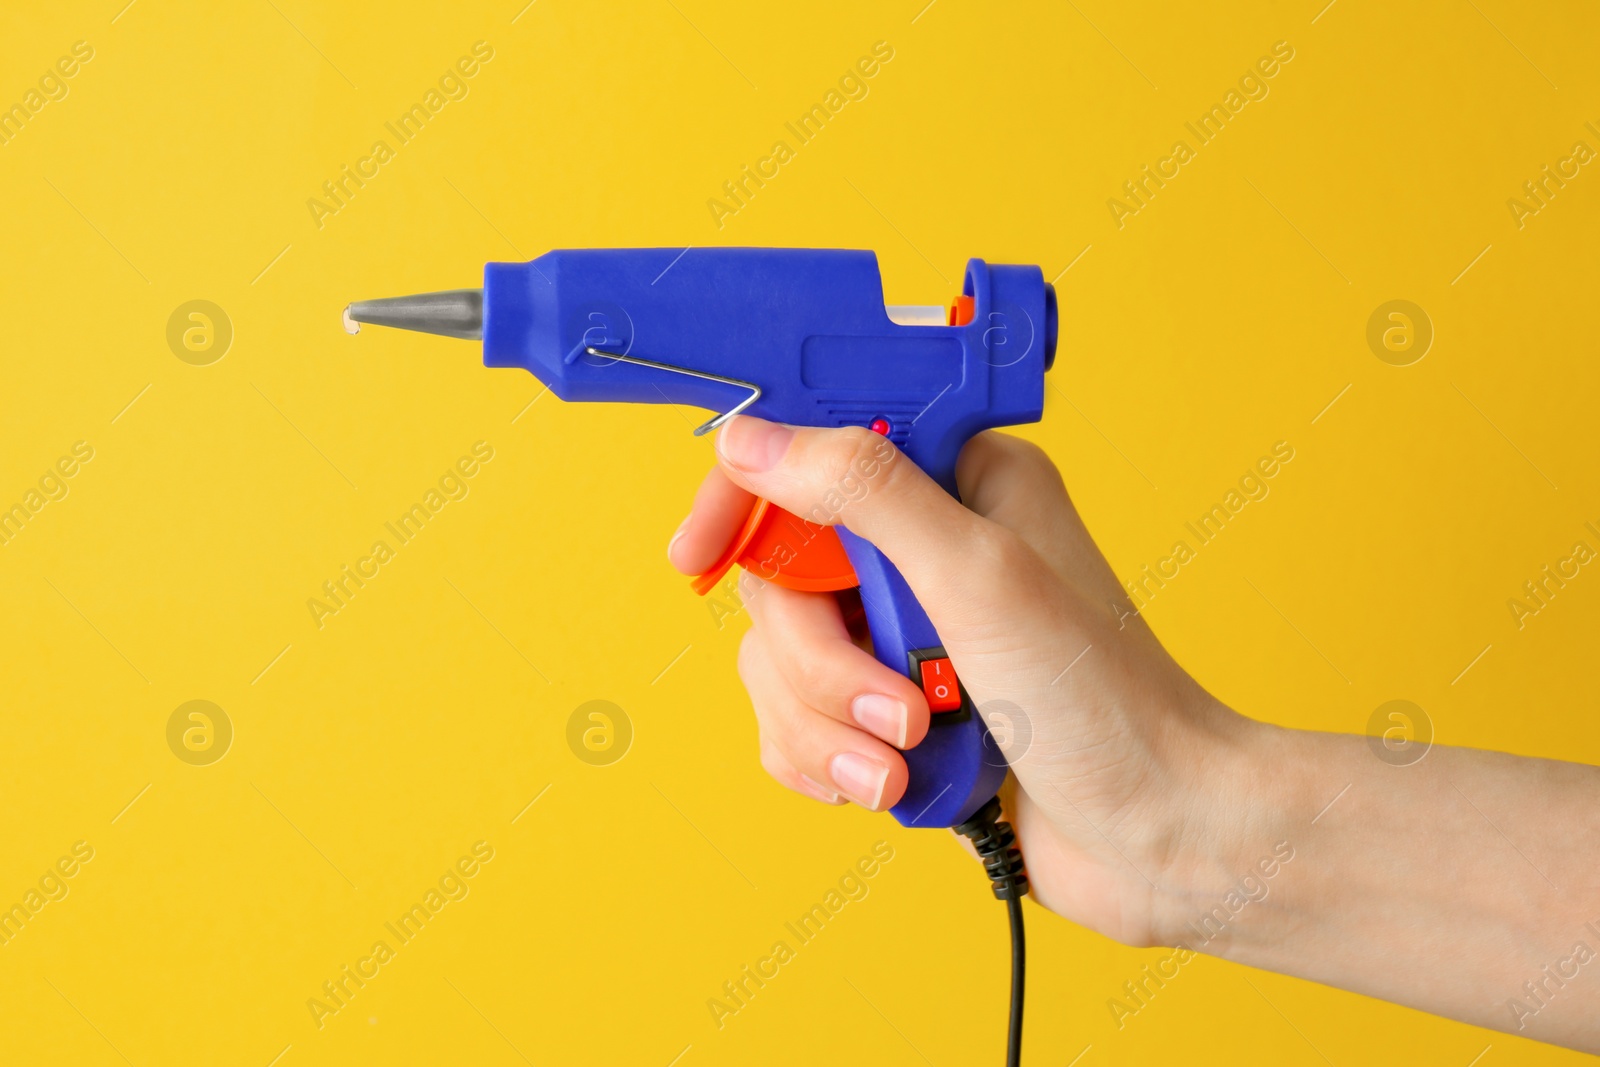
(782,548)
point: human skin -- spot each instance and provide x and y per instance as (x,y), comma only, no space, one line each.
(1461,885)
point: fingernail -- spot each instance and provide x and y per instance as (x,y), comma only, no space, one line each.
(884,717)
(751,444)
(818,790)
(683,528)
(859,778)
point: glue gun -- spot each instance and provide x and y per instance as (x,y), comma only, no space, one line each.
(799,336)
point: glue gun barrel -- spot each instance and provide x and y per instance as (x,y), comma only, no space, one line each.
(456,313)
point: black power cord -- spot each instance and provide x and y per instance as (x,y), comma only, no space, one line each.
(995,843)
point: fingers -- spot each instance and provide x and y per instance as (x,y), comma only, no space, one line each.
(1011,481)
(810,646)
(719,510)
(800,739)
(1014,483)
(854,476)
(785,773)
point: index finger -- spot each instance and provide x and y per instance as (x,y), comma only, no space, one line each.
(718,513)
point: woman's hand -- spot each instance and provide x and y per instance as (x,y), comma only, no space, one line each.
(1464,884)
(1108,738)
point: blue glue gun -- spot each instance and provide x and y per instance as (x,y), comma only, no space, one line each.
(799,336)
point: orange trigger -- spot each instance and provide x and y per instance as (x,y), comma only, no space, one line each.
(784,549)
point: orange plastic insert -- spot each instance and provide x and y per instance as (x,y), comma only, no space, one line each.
(961,311)
(786,550)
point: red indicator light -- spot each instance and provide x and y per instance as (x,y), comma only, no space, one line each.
(879,426)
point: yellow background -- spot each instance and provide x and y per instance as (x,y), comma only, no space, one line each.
(373,752)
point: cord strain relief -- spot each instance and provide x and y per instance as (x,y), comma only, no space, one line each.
(995,843)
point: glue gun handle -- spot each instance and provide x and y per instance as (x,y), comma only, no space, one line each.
(957,767)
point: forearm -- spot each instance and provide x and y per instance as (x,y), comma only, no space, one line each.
(1463,884)
(1141,804)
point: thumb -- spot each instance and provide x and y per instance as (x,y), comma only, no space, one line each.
(857,478)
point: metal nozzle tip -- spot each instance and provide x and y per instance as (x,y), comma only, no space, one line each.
(456,313)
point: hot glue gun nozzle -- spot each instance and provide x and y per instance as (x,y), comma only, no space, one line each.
(457,313)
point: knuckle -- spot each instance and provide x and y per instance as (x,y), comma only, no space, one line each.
(841,450)
(856,439)
(750,656)
(993,552)
(845,461)
(813,676)
(752,589)
(992,545)
(785,723)
(993,463)
(1031,456)
(981,449)
(773,761)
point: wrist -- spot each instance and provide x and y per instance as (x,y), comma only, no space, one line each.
(1226,840)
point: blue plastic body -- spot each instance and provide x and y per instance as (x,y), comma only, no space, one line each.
(810,328)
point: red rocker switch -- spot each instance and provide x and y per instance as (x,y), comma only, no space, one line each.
(940,686)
